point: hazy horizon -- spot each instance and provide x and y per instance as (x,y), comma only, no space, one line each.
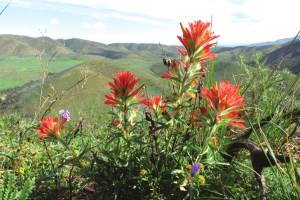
(223,45)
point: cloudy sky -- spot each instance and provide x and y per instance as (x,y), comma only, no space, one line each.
(151,21)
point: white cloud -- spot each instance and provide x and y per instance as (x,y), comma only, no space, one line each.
(128,17)
(77,2)
(54,21)
(236,21)
(19,3)
(94,25)
(257,21)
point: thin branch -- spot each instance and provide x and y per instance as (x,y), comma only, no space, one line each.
(5,7)
(260,159)
(60,96)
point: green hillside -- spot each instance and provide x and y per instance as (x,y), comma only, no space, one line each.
(88,95)
(24,59)
(229,54)
(65,60)
(16,71)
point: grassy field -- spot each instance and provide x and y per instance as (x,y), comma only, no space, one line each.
(87,97)
(16,71)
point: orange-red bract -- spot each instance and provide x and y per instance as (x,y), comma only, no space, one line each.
(122,88)
(225,101)
(155,102)
(49,126)
(198,39)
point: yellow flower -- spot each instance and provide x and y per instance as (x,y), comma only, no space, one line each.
(20,170)
(143,172)
(83,163)
(201,179)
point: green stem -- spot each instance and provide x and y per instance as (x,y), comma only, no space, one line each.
(182,85)
(52,166)
(205,141)
(66,146)
(125,115)
(49,157)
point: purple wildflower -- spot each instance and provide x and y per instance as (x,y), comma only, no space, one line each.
(65,114)
(195,168)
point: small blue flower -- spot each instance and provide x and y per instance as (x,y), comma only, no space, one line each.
(195,168)
(65,114)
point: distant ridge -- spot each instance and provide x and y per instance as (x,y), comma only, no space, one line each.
(276,42)
(16,45)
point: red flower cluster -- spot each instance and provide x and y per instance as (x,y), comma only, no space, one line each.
(225,102)
(198,41)
(155,102)
(122,88)
(50,126)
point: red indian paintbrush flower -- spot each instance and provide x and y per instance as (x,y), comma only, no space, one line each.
(198,40)
(155,102)
(225,101)
(49,126)
(122,88)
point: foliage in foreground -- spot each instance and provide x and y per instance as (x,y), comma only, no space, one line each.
(162,147)
(8,190)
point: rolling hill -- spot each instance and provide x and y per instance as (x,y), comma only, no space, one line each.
(276,42)
(101,61)
(13,45)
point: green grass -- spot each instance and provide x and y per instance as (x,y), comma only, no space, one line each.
(16,71)
(85,99)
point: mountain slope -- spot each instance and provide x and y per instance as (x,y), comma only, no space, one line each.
(291,54)
(276,42)
(248,53)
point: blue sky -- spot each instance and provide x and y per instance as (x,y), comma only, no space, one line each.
(151,21)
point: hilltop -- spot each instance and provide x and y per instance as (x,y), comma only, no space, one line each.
(15,45)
